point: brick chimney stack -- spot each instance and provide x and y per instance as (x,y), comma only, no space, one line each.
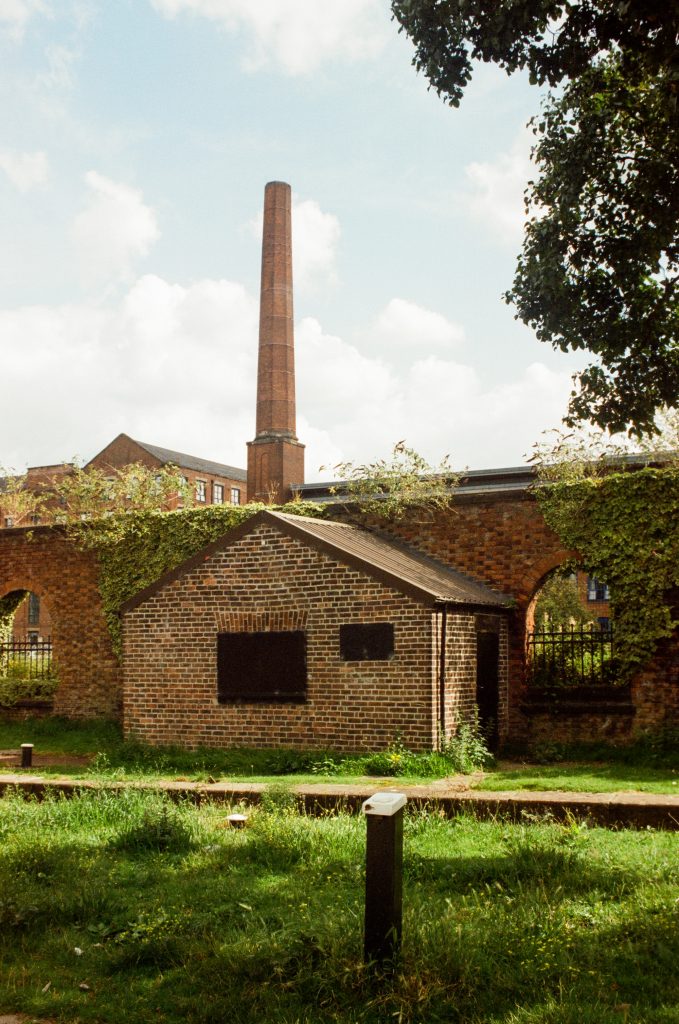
(275,457)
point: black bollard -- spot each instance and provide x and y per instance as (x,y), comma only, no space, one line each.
(383,877)
(26,755)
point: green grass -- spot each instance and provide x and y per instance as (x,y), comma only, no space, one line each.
(165,915)
(651,765)
(587,778)
(115,758)
(61,735)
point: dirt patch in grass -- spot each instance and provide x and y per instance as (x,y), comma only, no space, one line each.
(21,1018)
(12,759)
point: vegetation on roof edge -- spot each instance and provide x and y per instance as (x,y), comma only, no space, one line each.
(135,549)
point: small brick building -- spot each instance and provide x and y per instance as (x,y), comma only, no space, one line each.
(296,632)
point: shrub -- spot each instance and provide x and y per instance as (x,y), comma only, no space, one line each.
(155,825)
(14,688)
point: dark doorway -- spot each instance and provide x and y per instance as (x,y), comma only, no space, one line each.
(488,678)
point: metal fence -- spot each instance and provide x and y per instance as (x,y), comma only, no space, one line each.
(570,657)
(26,659)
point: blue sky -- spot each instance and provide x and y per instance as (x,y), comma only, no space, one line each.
(137,140)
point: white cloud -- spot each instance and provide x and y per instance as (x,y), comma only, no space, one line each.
(60,62)
(315,238)
(496,187)
(175,365)
(298,36)
(114,229)
(171,365)
(355,406)
(404,327)
(25,170)
(14,15)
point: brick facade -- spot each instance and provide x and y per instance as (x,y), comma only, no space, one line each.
(503,541)
(42,560)
(266,581)
(32,617)
(125,451)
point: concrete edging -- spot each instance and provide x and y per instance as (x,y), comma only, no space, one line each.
(609,810)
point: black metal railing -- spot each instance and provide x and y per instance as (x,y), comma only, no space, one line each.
(26,659)
(571,657)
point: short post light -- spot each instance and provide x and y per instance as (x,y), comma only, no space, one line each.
(26,755)
(383,876)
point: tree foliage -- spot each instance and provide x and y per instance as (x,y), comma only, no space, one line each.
(18,503)
(559,603)
(599,269)
(621,515)
(88,492)
(404,482)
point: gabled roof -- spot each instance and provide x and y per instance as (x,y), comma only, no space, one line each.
(393,564)
(166,456)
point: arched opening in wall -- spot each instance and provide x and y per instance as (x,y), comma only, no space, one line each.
(27,664)
(569,632)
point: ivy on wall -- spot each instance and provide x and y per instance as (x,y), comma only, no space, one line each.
(135,549)
(8,606)
(625,525)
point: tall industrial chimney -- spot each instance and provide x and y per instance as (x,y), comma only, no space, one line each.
(275,457)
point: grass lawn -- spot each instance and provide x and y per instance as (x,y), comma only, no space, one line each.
(653,770)
(129,908)
(606,777)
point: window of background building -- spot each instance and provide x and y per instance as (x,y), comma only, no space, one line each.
(372,641)
(261,667)
(218,494)
(33,609)
(596,590)
(235,495)
(201,491)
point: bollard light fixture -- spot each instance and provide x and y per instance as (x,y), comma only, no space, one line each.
(383,877)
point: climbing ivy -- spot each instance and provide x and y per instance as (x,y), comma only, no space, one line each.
(135,548)
(8,606)
(625,526)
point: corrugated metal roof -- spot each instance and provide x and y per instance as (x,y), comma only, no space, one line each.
(193,462)
(405,568)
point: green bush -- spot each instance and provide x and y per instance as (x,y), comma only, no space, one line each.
(15,688)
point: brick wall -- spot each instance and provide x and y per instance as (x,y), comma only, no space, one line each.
(266,582)
(503,540)
(66,580)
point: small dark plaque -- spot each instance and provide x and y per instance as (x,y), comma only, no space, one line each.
(367,641)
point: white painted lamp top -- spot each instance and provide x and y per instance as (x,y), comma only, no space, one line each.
(384,803)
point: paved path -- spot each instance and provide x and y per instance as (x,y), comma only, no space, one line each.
(613,810)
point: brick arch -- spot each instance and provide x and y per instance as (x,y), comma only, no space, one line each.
(551,564)
(43,560)
(8,587)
